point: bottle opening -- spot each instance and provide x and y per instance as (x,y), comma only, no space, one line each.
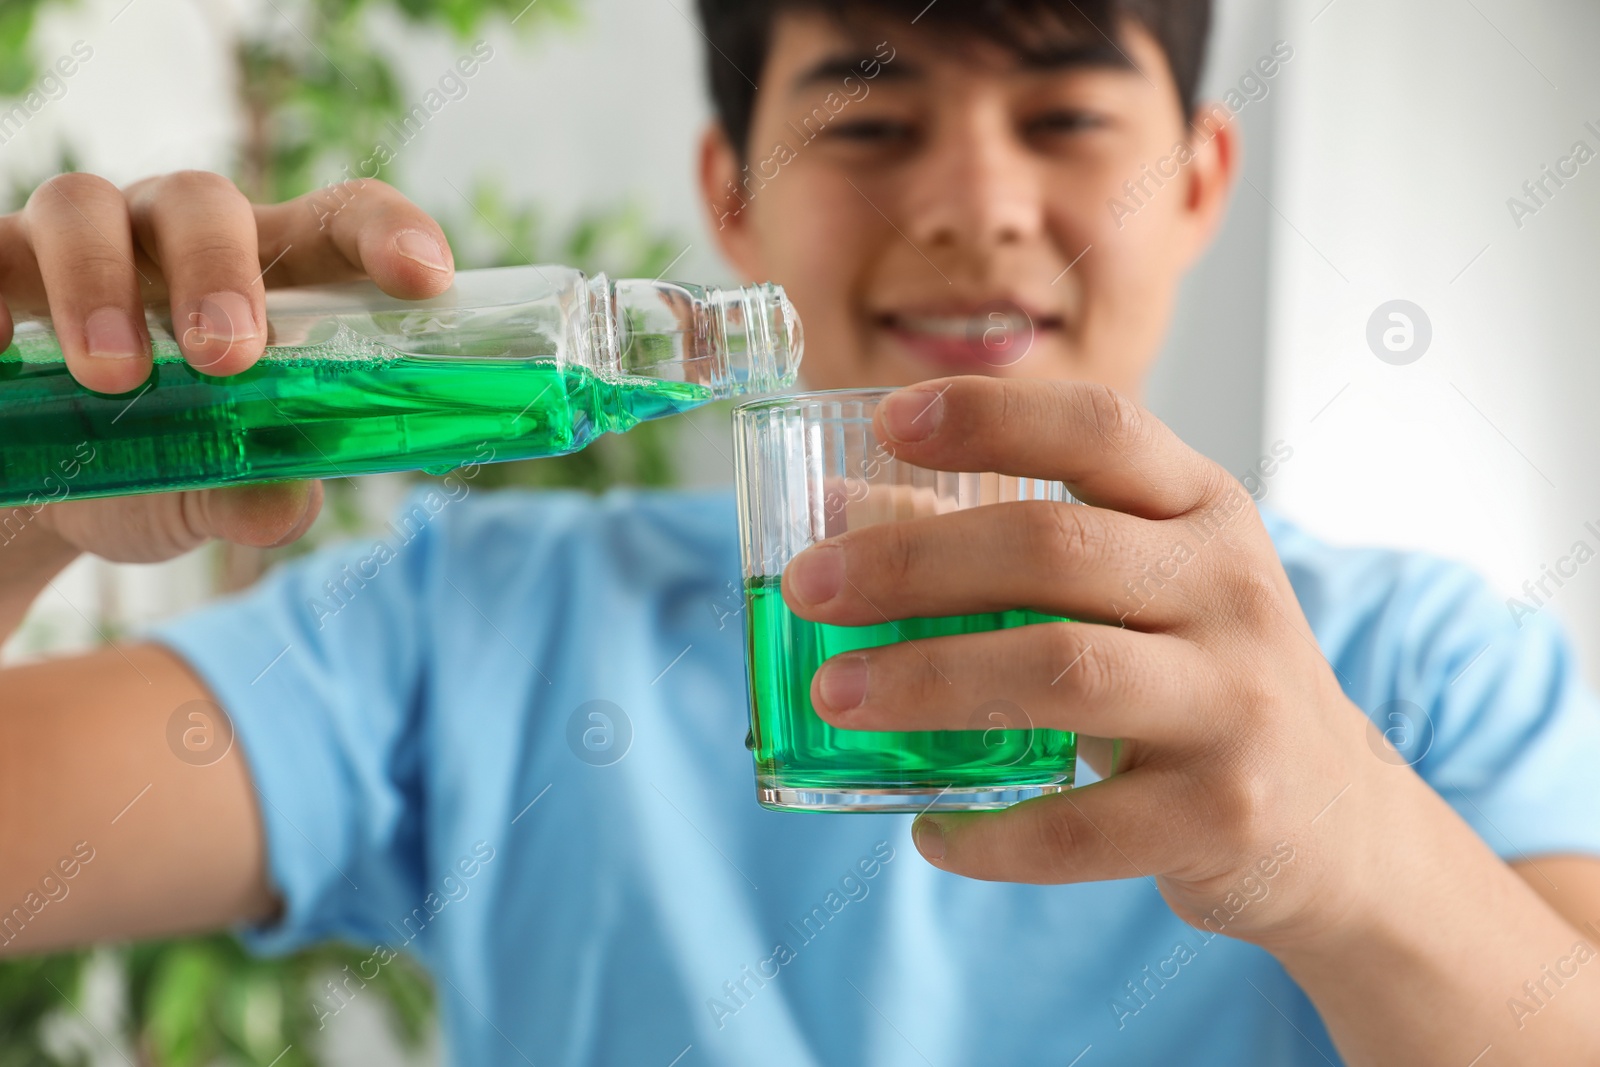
(763,339)
(728,341)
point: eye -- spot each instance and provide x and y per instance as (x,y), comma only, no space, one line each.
(1062,122)
(872,132)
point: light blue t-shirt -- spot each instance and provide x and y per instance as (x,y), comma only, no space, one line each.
(418,715)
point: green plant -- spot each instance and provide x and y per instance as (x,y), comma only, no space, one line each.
(311,111)
(30,991)
(17,67)
(205,999)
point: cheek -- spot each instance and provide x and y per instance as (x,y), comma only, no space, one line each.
(1128,259)
(1138,258)
(1131,204)
(1120,292)
(1127,297)
(818,238)
(812,223)
(1077,197)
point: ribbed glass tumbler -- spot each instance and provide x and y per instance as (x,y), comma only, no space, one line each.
(809,467)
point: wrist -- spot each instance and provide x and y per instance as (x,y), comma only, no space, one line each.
(1369,861)
(1388,864)
(31,555)
(1431,933)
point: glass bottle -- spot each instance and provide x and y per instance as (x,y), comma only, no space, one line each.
(509,363)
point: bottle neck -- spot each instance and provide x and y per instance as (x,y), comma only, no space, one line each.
(761,339)
(730,341)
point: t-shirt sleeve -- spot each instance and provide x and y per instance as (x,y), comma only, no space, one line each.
(1509,731)
(321,668)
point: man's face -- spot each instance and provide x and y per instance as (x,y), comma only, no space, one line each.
(939,209)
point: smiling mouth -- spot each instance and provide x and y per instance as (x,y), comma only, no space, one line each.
(996,334)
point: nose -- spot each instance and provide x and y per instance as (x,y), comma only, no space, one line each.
(978,187)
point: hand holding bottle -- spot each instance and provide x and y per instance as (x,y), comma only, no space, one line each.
(91,256)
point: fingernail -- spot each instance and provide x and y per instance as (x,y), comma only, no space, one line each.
(912,414)
(227,317)
(929,838)
(817,574)
(843,684)
(109,334)
(421,248)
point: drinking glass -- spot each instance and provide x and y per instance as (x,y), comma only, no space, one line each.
(808,467)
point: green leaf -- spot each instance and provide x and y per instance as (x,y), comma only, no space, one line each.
(32,990)
(17,67)
(177,1027)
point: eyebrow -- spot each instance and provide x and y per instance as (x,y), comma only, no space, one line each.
(1077,55)
(836,68)
(1043,60)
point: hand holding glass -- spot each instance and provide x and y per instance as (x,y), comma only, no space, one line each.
(810,468)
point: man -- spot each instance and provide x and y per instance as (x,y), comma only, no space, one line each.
(1263,878)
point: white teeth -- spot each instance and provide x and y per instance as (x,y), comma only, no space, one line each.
(953,325)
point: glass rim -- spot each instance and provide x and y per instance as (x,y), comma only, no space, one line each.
(790,401)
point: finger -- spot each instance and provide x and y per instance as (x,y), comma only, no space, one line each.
(1129,826)
(1109,451)
(353,230)
(78,228)
(260,516)
(1098,680)
(200,230)
(20,284)
(11,241)
(162,526)
(1066,559)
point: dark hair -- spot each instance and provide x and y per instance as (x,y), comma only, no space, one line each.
(739,33)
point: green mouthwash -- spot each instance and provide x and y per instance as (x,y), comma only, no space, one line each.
(507,364)
(797,753)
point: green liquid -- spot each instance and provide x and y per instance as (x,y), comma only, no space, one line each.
(292,418)
(796,750)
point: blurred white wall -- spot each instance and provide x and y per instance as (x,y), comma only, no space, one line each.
(155,95)
(1208,385)
(1403,131)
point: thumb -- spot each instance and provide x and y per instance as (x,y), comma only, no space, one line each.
(162,526)
(259,516)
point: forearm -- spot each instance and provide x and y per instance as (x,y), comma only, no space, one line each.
(30,556)
(111,826)
(106,829)
(1450,958)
